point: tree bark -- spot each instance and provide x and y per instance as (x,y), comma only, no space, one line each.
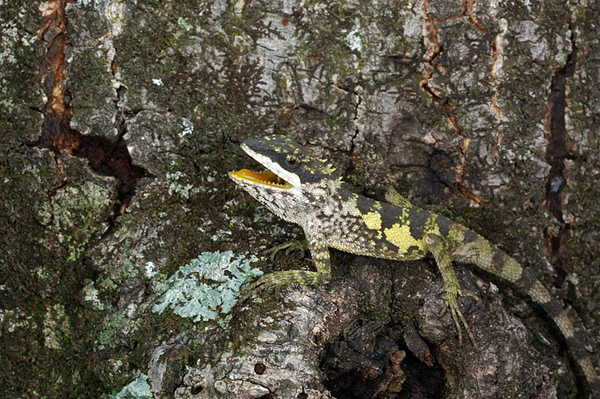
(122,118)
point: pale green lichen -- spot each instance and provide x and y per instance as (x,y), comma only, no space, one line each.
(137,389)
(210,284)
(113,324)
(178,186)
(75,213)
(90,295)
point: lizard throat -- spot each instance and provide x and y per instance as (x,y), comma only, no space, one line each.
(266,178)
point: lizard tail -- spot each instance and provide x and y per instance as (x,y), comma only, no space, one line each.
(565,323)
(477,250)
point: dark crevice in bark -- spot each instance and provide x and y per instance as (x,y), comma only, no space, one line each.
(104,156)
(369,360)
(356,130)
(556,155)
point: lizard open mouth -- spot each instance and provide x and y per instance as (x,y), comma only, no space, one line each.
(266,178)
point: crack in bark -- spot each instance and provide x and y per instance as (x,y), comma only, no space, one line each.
(355,121)
(467,11)
(556,154)
(103,156)
(57,111)
(496,72)
(461,168)
(431,63)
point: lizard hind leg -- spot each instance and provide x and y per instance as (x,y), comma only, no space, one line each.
(439,248)
(393,197)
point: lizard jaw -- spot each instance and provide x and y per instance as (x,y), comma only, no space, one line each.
(266,178)
(274,176)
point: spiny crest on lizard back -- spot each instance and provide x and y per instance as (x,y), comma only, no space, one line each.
(295,180)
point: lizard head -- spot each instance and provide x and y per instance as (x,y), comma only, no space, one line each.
(294,179)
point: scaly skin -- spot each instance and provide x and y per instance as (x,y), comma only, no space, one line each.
(306,190)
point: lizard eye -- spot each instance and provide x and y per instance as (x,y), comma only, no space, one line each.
(292,160)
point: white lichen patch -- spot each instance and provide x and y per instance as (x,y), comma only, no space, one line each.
(353,39)
(90,2)
(90,295)
(178,186)
(220,235)
(413,25)
(15,320)
(114,12)
(137,389)
(210,284)
(188,127)
(149,269)
(184,24)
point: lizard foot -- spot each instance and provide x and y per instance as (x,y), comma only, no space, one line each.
(256,287)
(457,316)
(292,245)
(441,251)
(280,278)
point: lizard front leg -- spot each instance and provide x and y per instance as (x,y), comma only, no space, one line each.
(320,254)
(438,246)
(290,246)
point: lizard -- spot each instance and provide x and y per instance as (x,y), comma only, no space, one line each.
(304,189)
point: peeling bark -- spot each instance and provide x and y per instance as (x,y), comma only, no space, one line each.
(104,156)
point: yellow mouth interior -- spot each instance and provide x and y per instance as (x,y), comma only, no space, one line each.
(267,178)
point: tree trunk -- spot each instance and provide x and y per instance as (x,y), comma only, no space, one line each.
(121,119)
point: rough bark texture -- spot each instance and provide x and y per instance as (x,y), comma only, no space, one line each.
(120,120)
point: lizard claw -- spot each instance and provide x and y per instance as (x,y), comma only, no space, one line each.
(256,287)
(457,316)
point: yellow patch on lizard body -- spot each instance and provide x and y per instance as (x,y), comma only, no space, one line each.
(372,220)
(399,235)
(456,233)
